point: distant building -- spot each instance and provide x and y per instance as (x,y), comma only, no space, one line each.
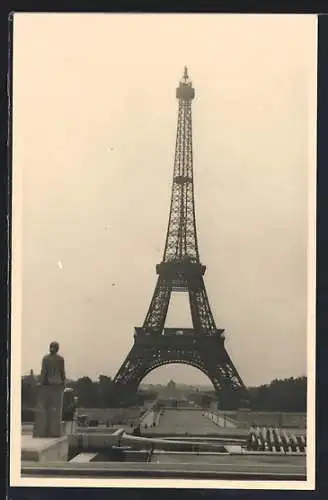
(171,385)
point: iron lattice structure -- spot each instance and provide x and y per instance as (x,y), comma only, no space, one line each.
(181,270)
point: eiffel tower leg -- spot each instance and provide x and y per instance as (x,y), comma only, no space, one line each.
(140,361)
(139,358)
(230,389)
(155,317)
(201,313)
(126,379)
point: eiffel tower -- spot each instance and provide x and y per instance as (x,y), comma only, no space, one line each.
(181,271)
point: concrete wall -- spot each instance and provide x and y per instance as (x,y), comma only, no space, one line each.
(114,415)
(273,419)
(244,418)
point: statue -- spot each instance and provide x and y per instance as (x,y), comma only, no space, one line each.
(48,421)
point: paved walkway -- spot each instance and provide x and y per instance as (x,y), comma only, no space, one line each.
(184,420)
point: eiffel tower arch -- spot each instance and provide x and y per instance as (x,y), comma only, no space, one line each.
(181,270)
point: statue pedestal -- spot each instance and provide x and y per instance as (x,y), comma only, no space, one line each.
(48,416)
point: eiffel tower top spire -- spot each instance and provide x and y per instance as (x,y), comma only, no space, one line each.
(185,77)
(185,91)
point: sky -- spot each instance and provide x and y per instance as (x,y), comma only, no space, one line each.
(94,117)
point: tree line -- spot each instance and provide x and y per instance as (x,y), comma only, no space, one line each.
(287,394)
(90,393)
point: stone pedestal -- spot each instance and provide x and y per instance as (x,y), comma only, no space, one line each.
(44,450)
(48,415)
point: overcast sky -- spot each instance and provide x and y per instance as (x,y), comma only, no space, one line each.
(94,134)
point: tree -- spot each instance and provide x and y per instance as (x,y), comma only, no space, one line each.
(86,391)
(281,395)
(105,391)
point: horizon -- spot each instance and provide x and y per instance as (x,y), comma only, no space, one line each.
(164,384)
